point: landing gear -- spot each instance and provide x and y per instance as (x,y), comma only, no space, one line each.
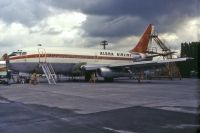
(87,76)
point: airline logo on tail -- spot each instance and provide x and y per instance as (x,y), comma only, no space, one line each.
(142,45)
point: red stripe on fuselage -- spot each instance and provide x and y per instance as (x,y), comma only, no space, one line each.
(68,56)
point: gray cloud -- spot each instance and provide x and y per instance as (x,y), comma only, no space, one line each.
(53,31)
(117,18)
(106,19)
(75,5)
(27,12)
(104,26)
(169,14)
(5,44)
(141,8)
(113,18)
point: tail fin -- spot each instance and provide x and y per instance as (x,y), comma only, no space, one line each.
(142,45)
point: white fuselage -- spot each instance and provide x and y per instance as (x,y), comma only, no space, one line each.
(64,59)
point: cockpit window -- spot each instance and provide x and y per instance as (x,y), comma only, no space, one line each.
(13,54)
(17,53)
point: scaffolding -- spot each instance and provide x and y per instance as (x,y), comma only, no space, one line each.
(170,70)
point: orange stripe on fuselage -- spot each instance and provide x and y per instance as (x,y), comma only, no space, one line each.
(68,56)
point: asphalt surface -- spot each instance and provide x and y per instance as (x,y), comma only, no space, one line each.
(157,106)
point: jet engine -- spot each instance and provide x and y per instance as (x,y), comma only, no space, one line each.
(105,72)
(109,73)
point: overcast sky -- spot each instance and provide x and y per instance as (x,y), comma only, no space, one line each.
(85,23)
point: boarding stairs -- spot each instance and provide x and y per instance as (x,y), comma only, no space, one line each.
(47,68)
(49,72)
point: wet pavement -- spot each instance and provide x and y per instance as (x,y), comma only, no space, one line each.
(157,106)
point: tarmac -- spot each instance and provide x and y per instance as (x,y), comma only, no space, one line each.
(124,106)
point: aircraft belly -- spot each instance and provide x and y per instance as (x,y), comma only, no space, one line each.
(59,68)
(62,68)
(23,67)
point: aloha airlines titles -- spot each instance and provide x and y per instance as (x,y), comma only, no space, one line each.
(115,54)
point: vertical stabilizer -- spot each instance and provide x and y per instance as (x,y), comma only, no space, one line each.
(142,45)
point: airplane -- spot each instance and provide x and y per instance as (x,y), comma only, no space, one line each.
(108,64)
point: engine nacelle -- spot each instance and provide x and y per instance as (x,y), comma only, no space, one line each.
(138,57)
(106,72)
(109,73)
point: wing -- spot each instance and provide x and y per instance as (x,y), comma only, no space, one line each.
(150,63)
(141,64)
